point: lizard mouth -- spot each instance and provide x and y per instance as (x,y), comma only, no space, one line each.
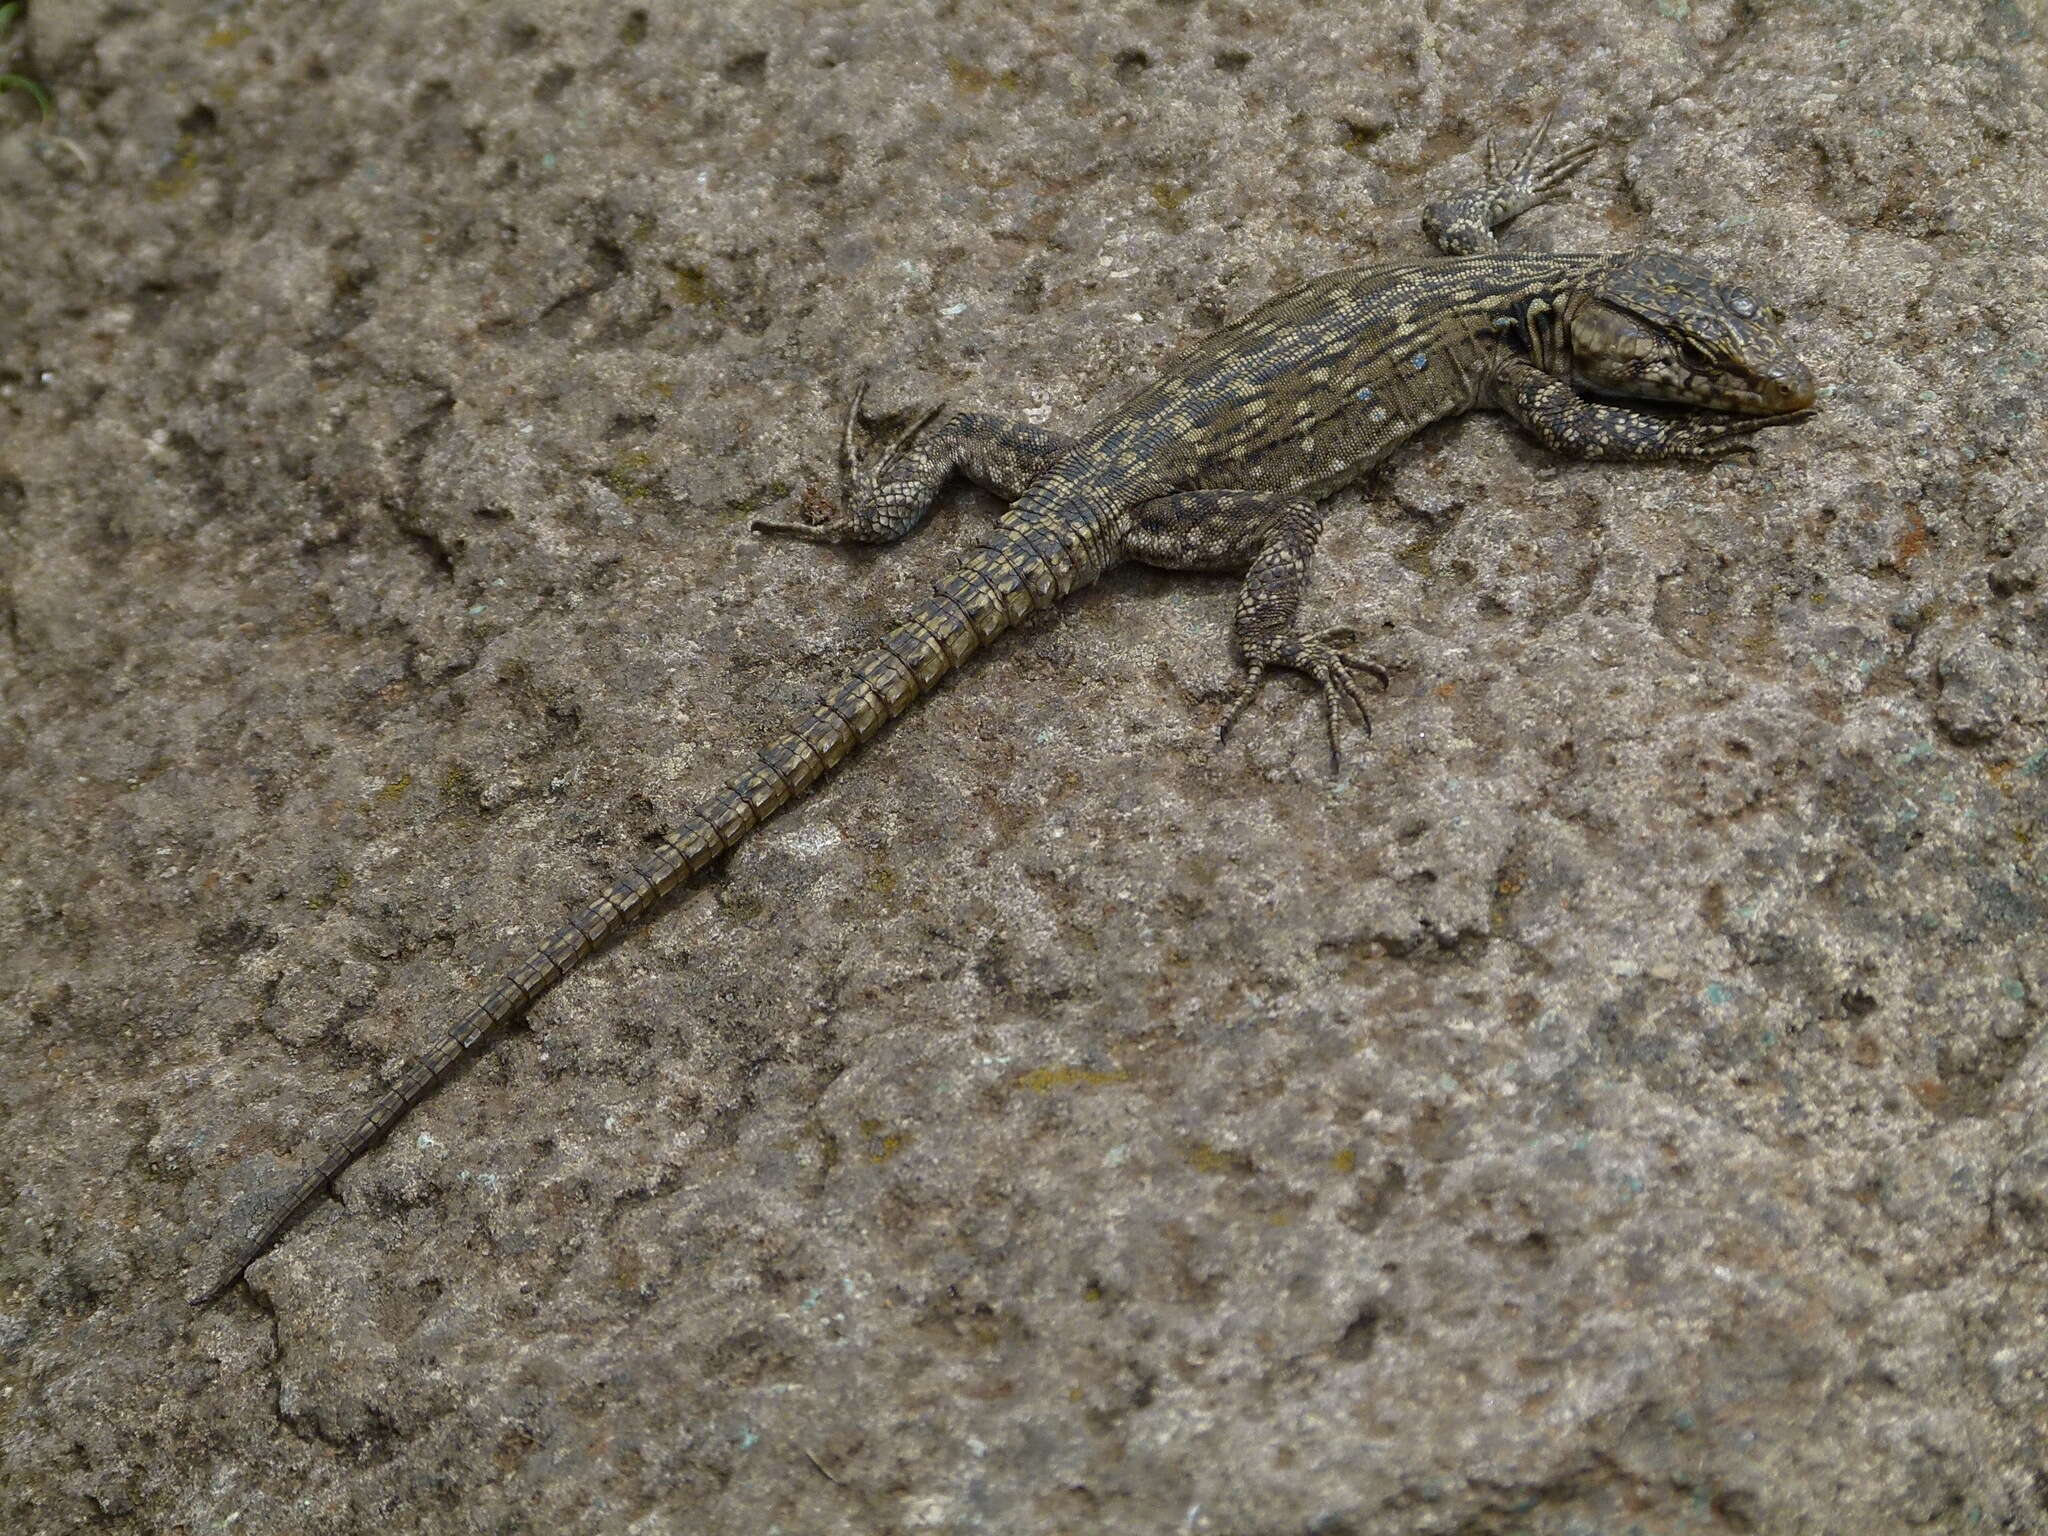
(1785,388)
(1788,387)
(1728,359)
(1776,394)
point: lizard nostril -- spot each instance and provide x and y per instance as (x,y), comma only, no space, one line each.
(1790,388)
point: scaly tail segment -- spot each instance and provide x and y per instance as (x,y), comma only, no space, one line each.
(1030,562)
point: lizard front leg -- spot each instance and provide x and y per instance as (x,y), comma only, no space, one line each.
(1273,540)
(880,502)
(1562,419)
(1467,224)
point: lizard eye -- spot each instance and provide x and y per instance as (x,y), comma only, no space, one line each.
(1742,303)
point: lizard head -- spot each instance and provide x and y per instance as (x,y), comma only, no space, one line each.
(1660,327)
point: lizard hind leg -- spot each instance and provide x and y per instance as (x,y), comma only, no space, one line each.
(1469,223)
(1268,627)
(1272,539)
(886,496)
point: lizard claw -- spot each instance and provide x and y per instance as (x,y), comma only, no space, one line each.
(858,481)
(1717,437)
(815,533)
(1467,223)
(903,440)
(849,445)
(1529,184)
(1322,656)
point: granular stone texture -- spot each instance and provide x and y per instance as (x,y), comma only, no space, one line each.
(1618,1103)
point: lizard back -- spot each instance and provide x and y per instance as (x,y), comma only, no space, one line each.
(1313,388)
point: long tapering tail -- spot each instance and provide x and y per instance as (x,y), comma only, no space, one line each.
(1031,561)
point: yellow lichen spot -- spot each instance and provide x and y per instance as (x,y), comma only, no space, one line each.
(176,180)
(1047,1079)
(228,36)
(741,906)
(458,783)
(693,286)
(1419,557)
(1360,137)
(969,77)
(628,1272)
(1207,1159)
(1345,1161)
(338,886)
(973,78)
(759,497)
(395,788)
(634,475)
(1169,196)
(882,1144)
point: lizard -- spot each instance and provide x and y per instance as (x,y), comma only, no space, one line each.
(1222,462)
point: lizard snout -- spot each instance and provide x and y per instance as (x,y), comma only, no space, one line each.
(1787,387)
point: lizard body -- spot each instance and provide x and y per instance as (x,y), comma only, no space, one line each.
(1219,463)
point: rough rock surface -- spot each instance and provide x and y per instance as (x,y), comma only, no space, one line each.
(1620,1103)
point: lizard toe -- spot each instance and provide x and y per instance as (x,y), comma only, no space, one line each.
(1255,678)
(1720,437)
(1320,656)
(814,533)
(1334,645)
(905,438)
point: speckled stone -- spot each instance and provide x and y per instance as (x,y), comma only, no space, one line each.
(1617,1104)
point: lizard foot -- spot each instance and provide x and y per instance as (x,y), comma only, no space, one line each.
(1529,185)
(1466,224)
(1322,656)
(867,513)
(1716,437)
